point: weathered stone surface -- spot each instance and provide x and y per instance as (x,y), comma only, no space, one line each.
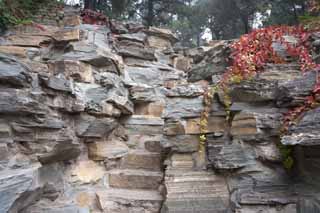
(67,35)
(216,124)
(116,200)
(188,108)
(72,69)
(17,188)
(139,124)
(292,93)
(102,150)
(21,52)
(151,76)
(182,63)
(195,191)
(142,53)
(26,40)
(290,208)
(135,179)
(187,90)
(142,160)
(273,85)
(60,152)
(256,124)
(112,92)
(145,94)
(164,33)
(231,156)
(150,109)
(58,83)
(88,172)
(215,62)
(92,127)
(13,73)
(135,37)
(14,101)
(306,132)
(56,207)
(158,42)
(181,143)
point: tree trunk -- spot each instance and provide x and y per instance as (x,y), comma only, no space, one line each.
(245,21)
(150,13)
(295,13)
(90,4)
(198,39)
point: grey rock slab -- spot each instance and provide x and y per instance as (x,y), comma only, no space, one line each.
(293,93)
(306,131)
(14,185)
(135,52)
(14,101)
(13,72)
(181,107)
(151,75)
(92,127)
(186,90)
(135,37)
(60,152)
(135,179)
(164,33)
(181,143)
(231,156)
(58,83)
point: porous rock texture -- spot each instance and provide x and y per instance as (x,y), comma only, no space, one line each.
(95,119)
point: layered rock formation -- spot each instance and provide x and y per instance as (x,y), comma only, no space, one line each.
(106,119)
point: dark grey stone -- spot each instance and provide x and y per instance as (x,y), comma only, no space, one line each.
(61,152)
(92,127)
(13,73)
(17,102)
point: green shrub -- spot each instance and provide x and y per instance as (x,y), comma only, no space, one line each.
(13,12)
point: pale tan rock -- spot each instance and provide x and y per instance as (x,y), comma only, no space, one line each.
(152,109)
(88,172)
(182,161)
(26,40)
(244,124)
(83,199)
(182,63)
(215,124)
(142,160)
(71,21)
(73,69)
(158,42)
(102,150)
(67,35)
(14,50)
(268,152)
(135,179)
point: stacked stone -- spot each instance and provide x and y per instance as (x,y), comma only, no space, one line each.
(106,119)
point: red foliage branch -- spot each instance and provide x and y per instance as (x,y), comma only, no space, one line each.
(93,17)
(251,53)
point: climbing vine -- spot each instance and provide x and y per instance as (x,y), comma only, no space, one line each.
(249,56)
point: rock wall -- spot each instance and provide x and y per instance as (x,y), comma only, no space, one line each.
(106,119)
